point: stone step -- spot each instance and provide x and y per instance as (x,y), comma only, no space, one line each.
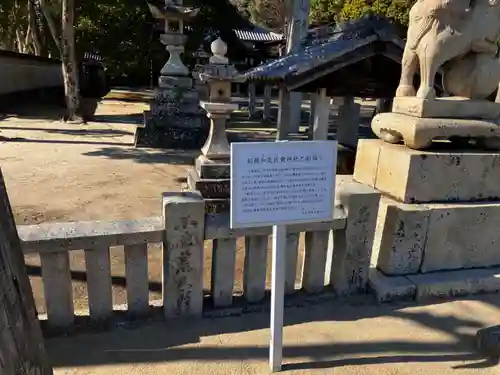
(442,285)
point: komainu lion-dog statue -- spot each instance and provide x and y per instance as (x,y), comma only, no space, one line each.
(458,36)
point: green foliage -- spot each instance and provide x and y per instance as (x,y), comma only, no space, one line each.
(270,14)
(245,7)
(395,10)
(122,32)
(324,11)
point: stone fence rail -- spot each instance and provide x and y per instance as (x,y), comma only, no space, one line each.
(336,253)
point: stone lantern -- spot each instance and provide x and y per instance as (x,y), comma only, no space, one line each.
(175,119)
(211,175)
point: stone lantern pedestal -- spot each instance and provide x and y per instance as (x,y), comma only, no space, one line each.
(174,119)
(211,175)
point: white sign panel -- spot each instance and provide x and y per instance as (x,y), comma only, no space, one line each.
(278,183)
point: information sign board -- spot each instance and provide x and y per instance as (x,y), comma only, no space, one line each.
(277,183)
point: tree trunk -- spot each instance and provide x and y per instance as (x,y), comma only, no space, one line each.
(49,19)
(68,58)
(35,32)
(21,344)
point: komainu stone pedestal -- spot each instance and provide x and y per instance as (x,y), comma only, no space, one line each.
(438,219)
(418,122)
(419,133)
(413,176)
(449,107)
(422,238)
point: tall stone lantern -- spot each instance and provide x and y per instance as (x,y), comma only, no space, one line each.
(174,119)
(211,175)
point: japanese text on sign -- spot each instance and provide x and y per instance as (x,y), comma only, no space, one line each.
(282,182)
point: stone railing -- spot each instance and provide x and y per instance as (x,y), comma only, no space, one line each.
(25,73)
(336,253)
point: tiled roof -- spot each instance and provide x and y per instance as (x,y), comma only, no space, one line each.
(253,34)
(258,35)
(317,51)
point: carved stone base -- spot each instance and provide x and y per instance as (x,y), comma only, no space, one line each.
(175,119)
(212,169)
(209,188)
(418,133)
(217,206)
(183,133)
(451,107)
(423,238)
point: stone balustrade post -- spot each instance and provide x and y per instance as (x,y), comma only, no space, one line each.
(182,278)
(351,248)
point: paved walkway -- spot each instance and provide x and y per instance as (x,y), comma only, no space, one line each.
(328,338)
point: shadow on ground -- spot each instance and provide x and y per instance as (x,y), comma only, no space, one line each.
(35,111)
(131,118)
(147,155)
(62,141)
(161,342)
(81,130)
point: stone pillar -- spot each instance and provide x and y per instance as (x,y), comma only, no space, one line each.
(283,115)
(321,116)
(210,177)
(251,100)
(266,110)
(313,100)
(295,109)
(297,32)
(174,119)
(348,123)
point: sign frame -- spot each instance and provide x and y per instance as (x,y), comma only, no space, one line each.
(329,146)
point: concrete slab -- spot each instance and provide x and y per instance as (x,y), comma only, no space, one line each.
(329,338)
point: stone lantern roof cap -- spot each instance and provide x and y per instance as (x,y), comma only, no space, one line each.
(174,12)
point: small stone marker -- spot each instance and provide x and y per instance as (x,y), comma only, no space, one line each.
(281,183)
(21,344)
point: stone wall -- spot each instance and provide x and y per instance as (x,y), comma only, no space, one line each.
(25,73)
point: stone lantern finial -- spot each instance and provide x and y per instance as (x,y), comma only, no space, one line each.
(219,50)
